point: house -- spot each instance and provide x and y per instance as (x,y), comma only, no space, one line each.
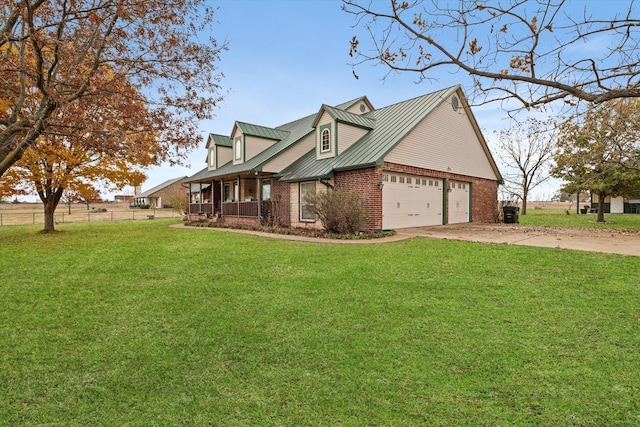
(160,196)
(419,162)
(618,204)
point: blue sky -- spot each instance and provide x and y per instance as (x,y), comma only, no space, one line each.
(286,58)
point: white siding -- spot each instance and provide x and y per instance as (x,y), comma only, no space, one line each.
(225,155)
(347,135)
(355,109)
(444,141)
(325,119)
(254,146)
(290,155)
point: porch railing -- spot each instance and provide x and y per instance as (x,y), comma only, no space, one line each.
(197,208)
(247,209)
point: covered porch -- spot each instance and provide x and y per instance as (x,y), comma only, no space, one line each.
(247,199)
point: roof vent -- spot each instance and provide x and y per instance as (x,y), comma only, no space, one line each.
(455,103)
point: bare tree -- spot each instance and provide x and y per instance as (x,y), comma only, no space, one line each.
(526,150)
(532,52)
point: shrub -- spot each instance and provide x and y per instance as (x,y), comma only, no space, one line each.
(339,211)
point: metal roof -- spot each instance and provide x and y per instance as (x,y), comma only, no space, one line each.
(346,117)
(262,131)
(220,140)
(391,125)
(157,188)
(387,127)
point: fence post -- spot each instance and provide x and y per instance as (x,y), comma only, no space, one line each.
(34,218)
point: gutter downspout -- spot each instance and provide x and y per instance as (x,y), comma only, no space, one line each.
(326,183)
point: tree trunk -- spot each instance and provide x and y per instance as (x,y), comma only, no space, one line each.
(50,198)
(49,211)
(601,197)
(525,195)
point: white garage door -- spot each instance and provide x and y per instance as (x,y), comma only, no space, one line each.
(411,201)
(458,204)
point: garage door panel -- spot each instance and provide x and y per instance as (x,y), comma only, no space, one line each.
(458,202)
(412,204)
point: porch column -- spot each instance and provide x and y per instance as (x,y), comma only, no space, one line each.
(259,196)
(213,200)
(200,198)
(239,196)
(221,195)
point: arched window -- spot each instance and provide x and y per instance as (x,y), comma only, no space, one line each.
(238,149)
(325,141)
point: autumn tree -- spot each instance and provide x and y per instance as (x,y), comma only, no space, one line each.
(531,52)
(54,164)
(600,152)
(526,149)
(55,54)
(80,192)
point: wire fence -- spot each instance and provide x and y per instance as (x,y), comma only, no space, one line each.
(32,218)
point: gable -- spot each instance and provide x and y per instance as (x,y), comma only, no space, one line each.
(446,140)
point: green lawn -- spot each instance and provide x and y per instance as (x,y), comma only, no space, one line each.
(558,217)
(136,323)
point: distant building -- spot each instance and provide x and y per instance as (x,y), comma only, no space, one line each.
(160,196)
(122,198)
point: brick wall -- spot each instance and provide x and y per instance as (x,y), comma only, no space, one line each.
(281,204)
(364,182)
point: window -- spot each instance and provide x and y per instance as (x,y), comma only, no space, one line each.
(227,192)
(238,149)
(393,178)
(212,157)
(402,180)
(408,180)
(307,189)
(266,190)
(385,178)
(430,183)
(325,143)
(435,183)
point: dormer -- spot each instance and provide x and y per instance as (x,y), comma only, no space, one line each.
(359,106)
(336,130)
(250,140)
(218,151)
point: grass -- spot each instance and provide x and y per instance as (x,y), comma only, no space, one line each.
(136,323)
(559,218)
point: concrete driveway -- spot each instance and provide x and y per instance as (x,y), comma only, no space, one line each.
(611,241)
(623,242)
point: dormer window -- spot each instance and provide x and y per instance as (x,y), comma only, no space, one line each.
(238,149)
(212,157)
(325,141)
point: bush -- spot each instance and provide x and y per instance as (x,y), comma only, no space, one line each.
(339,211)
